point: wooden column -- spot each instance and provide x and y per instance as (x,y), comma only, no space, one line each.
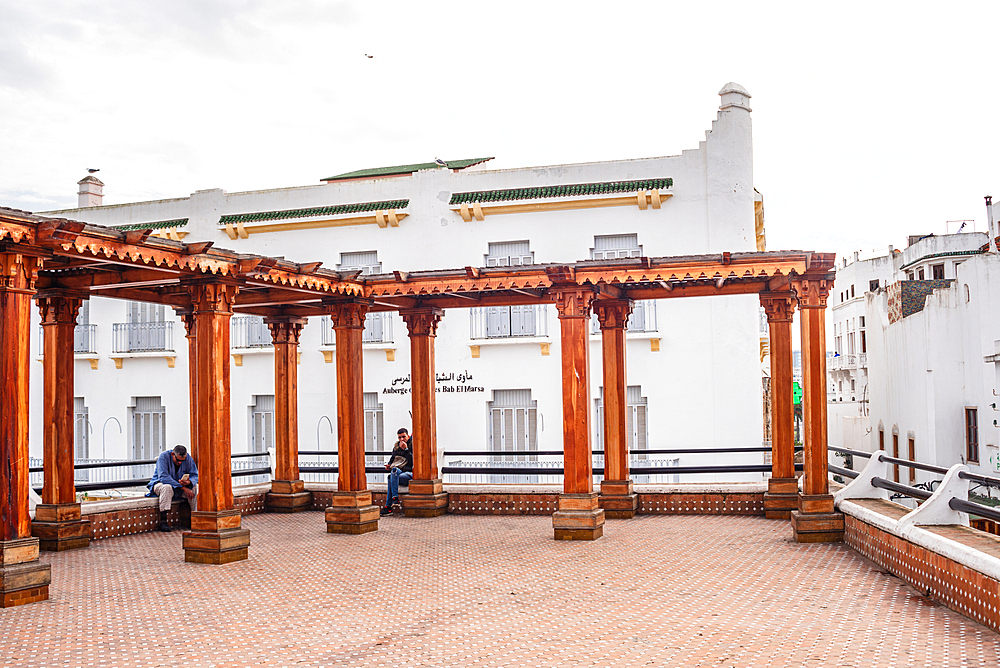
(352,510)
(58,524)
(427,497)
(187,316)
(216,535)
(23,579)
(579,516)
(782,496)
(288,493)
(815,520)
(617,498)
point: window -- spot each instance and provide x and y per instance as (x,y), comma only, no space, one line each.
(262,423)
(972,435)
(509,254)
(249,331)
(81,428)
(937,271)
(84,338)
(146,329)
(861,321)
(873,285)
(149,428)
(895,454)
(513,423)
(852,384)
(499,322)
(881,439)
(912,452)
(378,326)
(850,343)
(852,291)
(635,418)
(374,430)
(920,276)
(610,247)
(864,344)
(909,275)
(366,261)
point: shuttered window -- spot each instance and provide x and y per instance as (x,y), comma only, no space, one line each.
(262,423)
(81,428)
(509,254)
(149,428)
(144,312)
(374,428)
(635,418)
(513,423)
(612,246)
(366,261)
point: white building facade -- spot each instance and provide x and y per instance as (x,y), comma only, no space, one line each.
(694,376)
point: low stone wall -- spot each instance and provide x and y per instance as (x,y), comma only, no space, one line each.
(953,564)
(123,517)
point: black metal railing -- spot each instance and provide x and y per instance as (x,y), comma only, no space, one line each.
(139,337)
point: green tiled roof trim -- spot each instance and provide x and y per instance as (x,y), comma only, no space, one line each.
(974,251)
(405,169)
(158,225)
(318,211)
(575,190)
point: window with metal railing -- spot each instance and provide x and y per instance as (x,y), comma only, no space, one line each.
(378,329)
(635,420)
(249,331)
(501,322)
(149,428)
(147,330)
(374,425)
(262,423)
(612,246)
(513,423)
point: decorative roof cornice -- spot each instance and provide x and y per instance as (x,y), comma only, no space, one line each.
(571,190)
(158,225)
(400,170)
(923,258)
(335,210)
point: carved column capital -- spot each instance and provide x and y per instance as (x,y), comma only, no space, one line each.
(217,297)
(422,321)
(187,317)
(573,302)
(613,313)
(779,306)
(18,272)
(812,292)
(285,329)
(348,315)
(58,309)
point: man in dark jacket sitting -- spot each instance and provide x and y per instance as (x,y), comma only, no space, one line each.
(175,477)
(400,467)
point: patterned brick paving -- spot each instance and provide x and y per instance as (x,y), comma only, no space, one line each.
(657,590)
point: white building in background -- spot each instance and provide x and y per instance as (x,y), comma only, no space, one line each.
(930,333)
(694,377)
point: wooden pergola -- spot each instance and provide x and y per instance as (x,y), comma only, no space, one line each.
(59,263)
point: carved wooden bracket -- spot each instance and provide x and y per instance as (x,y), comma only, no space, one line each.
(285,329)
(349,315)
(574,302)
(779,306)
(59,309)
(215,297)
(613,314)
(422,321)
(19,272)
(812,292)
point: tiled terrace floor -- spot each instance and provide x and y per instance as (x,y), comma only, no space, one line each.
(488,591)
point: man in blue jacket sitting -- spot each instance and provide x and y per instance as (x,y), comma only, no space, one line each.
(175,477)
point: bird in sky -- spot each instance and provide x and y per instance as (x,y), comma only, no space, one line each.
(440,163)
(367,56)
(91,170)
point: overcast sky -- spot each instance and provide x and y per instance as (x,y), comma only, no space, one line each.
(872,120)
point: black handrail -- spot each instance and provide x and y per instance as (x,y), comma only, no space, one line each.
(856,453)
(975,509)
(142,482)
(501,453)
(844,472)
(981,479)
(906,490)
(914,465)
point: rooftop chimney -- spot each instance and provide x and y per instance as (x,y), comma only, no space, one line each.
(734,95)
(91,192)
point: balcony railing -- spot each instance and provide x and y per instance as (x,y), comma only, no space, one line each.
(504,322)
(84,339)
(642,319)
(140,337)
(248,331)
(378,329)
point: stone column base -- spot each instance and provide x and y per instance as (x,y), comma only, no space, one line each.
(579,517)
(781,498)
(287,496)
(618,500)
(351,512)
(216,537)
(23,579)
(426,498)
(59,527)
(816,521)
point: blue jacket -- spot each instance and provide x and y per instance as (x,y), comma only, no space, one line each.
(168,473)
